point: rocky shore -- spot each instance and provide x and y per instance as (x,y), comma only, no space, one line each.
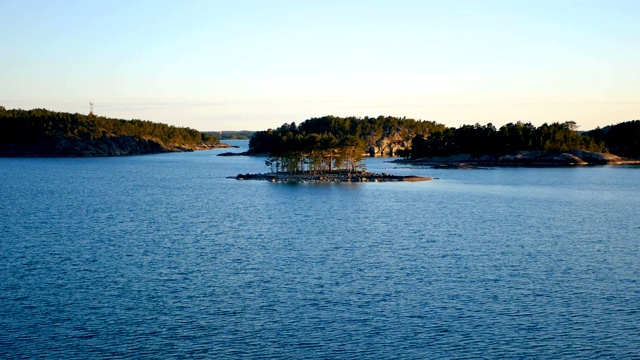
(523,158)
(105,146)
(329,177)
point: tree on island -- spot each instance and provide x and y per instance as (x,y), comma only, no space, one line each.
(316,153)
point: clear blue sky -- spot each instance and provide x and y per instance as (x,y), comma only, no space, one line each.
(231,65)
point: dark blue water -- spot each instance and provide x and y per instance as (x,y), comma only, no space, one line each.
(161,256)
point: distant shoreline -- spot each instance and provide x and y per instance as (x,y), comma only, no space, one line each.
(522,159)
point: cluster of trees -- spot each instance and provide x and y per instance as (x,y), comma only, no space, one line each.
(478,139)
(19,126)
(331,143)
(316,153)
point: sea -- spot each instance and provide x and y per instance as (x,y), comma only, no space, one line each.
(164,256)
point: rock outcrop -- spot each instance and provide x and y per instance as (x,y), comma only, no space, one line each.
(540,158)
(243,153)
(524,158)
(598,158)
(390,144)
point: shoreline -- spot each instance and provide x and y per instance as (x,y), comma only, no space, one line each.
(530,158)
(104,147)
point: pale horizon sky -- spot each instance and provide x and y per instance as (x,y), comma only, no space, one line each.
(236,65)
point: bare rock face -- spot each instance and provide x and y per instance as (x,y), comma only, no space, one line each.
(565,158)
(390,144)
(597,158)
(540,158)
(521,157)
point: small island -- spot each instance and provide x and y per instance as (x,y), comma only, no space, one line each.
(360,176)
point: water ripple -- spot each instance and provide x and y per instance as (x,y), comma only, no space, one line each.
(161,256)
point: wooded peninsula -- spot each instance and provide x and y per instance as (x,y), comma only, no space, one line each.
(41,132)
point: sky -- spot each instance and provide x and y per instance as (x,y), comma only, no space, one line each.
(241,64)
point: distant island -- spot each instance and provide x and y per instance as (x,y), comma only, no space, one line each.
(41,132)
(232,134)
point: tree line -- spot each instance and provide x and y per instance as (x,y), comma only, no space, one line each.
(19,126)
(510,138)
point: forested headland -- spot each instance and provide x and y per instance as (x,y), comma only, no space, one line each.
(329,143)
(41,132)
